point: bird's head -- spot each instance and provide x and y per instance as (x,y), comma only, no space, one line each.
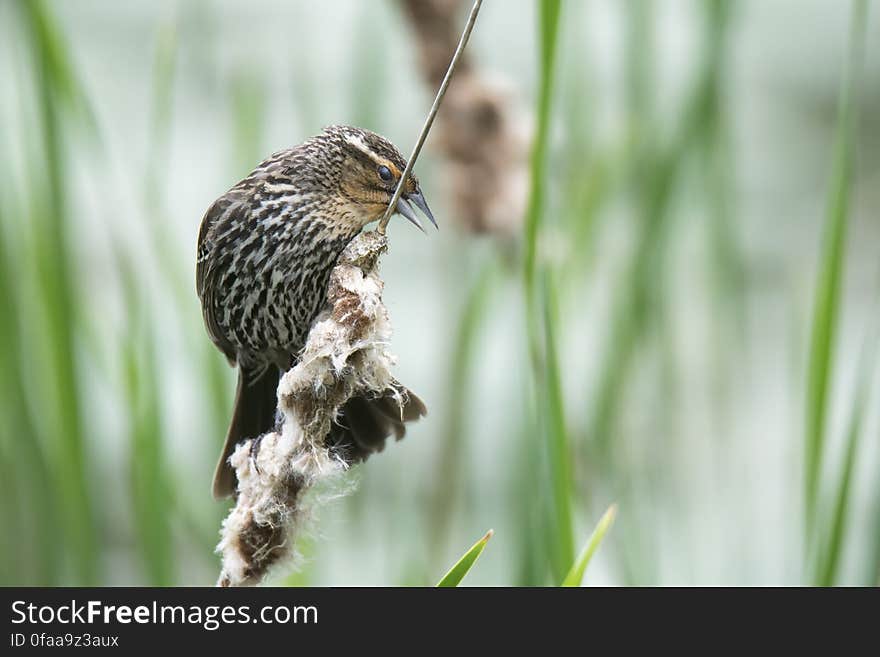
(370,171)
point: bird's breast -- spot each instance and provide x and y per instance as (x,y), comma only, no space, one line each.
(277,279)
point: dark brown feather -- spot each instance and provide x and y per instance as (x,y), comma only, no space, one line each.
(364,424)
(252,416)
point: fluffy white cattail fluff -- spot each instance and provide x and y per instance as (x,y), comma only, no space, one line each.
(345,355)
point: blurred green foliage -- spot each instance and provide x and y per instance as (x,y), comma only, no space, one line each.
(94,487)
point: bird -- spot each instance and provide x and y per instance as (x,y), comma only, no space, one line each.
(265,252)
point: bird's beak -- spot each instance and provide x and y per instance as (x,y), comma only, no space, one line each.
(404,208)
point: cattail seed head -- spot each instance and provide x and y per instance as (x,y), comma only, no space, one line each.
(346,355)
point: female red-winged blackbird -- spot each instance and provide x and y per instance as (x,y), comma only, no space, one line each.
(266,249)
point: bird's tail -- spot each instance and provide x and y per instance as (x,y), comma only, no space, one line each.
(252,416)
(364,423)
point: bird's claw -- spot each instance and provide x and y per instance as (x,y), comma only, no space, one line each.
(255,451)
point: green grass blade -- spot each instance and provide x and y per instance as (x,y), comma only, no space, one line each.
(463,565)
(831,559)
(835,529)
(56,60)
(549,28)
(525,491)
(32,550)
(540,311)
(576,574)
(151,496)
(558,456)
(826,306)
(56,274)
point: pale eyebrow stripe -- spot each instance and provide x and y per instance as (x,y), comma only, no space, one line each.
(359,144)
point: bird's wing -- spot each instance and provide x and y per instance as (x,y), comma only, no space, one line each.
(208,266)
(231,209)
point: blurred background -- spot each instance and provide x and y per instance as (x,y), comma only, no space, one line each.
(655,284)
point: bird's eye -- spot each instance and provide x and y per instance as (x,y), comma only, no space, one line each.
(384,173)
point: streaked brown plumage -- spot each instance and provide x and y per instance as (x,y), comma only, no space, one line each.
(265,252)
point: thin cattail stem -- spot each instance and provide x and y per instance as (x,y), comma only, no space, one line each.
(483,136)
(429,120)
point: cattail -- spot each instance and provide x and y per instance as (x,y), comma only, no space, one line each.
(345,356)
